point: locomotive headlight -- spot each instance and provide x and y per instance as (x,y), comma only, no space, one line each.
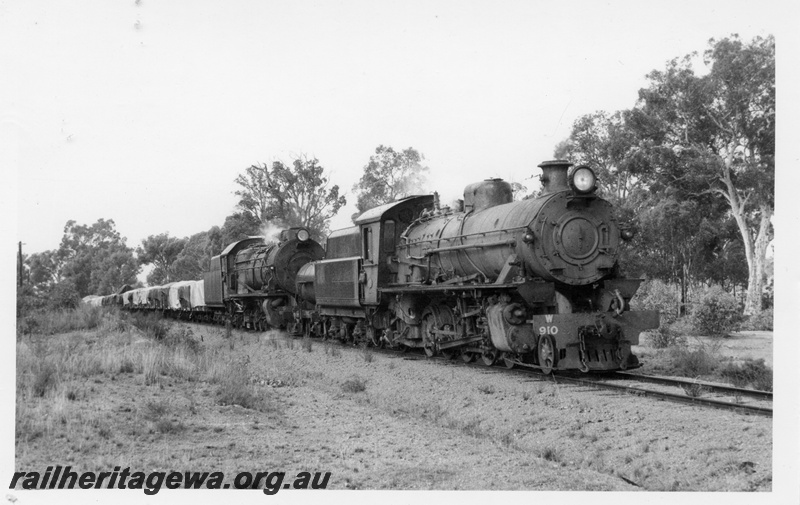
(303,235)
(582,180)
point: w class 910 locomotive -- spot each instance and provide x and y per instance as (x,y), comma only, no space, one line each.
(533,282)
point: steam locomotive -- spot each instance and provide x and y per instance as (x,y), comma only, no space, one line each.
(532,283)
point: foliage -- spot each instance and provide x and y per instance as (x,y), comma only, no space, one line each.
(762,321)
(716,313)
(151,325)
(28,301)
(717,132)
(691,167)
(239,226)
(160,250)
(53,321)
(750,371)
(390,175)
(604,142)
(288,196)
(236,389)
(655,294)
(693,362)
(354,384)
(45,378)
(90,260)
(44,269)
(64,295)
(666,335)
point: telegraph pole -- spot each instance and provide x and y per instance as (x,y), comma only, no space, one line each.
(20,269)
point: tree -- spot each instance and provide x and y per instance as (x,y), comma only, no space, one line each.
(604,142)
(680,239)
(160,250)
(195,258)
(94,259)
(44,269)
(390,175)
(288,196)
(239,226)
(719,129)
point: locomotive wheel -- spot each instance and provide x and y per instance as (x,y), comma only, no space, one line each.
(547,353)
(507,361)
(467,357)
(489,358)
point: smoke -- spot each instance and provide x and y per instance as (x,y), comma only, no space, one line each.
(270,232)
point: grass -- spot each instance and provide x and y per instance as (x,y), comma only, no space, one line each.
(367,353)
(694,362)
(236,388)
(694,390)
(64,321)
(354,384)
(332,350)
(486,415)
(100,343)
(750,373)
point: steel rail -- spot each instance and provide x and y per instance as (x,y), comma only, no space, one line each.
(706,402)
(709,386)
(601,384)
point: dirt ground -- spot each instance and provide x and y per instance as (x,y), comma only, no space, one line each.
(375,421)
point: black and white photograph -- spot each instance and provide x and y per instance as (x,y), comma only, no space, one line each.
(357,250)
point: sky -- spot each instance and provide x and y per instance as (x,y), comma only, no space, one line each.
(145,112)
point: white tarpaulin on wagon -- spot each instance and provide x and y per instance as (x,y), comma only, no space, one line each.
(93,300)
(177,291)
(140,296)
(197,295)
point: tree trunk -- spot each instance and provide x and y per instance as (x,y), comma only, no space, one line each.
(754,250)
(755,281)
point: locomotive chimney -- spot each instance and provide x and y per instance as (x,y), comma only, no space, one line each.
(554,176)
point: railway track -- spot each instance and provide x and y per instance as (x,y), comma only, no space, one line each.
(691,394)
(624,382)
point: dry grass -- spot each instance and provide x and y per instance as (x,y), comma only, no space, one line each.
(176,384)
(354,384)
(102,345)
(367,353)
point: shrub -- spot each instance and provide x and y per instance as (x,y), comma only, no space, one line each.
(716,314)
(182,337)
(64,295)
(550,454)
(236,389)
(751,371)
(28,301)
(354,385)
(150,324)
(759,322)
(657,295)
(693,363)
(45,378)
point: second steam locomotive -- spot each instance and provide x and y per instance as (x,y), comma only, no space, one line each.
(533,283)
